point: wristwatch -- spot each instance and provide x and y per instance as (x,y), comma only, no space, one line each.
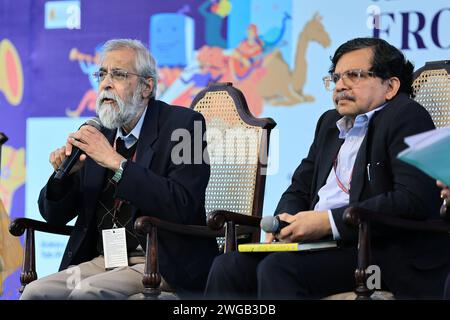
(118,174)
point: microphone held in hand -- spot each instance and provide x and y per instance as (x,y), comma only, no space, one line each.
(272,224)
(70,161)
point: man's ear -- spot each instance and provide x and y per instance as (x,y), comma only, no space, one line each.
(147,91)
(393,87)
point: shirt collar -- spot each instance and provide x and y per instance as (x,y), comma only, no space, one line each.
(131,138)
(345,124)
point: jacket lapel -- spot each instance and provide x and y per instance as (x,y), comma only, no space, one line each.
(359,170)
(94,175)
(148,135)
(362,161)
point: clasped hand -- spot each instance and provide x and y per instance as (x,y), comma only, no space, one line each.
(305,225)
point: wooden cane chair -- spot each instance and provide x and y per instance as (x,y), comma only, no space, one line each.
(431,88)
(238,152)
(234,194)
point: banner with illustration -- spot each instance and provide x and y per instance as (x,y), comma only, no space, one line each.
(275,51)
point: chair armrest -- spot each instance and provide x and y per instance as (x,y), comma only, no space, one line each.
(363,219)
(18,226)
(353,216)
(217,219)
(149,226)
(143,225)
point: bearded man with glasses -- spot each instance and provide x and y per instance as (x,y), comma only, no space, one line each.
(351,162)
(126,171)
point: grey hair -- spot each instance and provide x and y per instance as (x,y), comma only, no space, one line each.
(145,62)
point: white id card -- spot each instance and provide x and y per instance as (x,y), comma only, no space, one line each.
(115,248)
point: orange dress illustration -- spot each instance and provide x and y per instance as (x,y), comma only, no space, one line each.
(248,55)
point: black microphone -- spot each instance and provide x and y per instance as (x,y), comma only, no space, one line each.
(273,224)
(70,161)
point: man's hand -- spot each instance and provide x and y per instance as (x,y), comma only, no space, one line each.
(269,237)
(58,156)
(305,225)
(96,146)
(445,192)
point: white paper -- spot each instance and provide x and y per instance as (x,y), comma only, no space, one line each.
(115,248)
(430,152)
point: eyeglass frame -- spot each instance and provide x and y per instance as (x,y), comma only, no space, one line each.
(113,77)
(344,75)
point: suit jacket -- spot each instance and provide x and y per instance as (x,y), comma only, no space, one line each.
(153,185)
(394,188)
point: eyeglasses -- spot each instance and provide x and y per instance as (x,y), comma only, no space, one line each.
(116,75)
(352,76)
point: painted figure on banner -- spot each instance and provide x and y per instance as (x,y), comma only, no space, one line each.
(251,52)
(215,12)
(12,174)
(12,178)
(209,69)
(288,89)
(88,65)
(248,55)
(273,38)
(255,64)
(166,77)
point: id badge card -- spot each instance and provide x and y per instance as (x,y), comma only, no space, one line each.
(115,248)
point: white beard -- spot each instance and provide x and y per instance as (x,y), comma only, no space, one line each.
(126,111)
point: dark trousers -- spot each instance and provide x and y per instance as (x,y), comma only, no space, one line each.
(447,288)
(282,275)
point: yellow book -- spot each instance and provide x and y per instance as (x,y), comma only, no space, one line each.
(287,246)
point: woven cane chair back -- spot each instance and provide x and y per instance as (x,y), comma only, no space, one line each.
(431,87)
(237,147)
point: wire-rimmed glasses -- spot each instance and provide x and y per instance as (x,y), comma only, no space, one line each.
(352,76)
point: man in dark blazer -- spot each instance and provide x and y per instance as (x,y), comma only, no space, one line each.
(129,169)
(351,162)
(445,195)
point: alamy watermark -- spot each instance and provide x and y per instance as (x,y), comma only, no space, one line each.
(230,146)
(373,281)
(373,21)
(73,282)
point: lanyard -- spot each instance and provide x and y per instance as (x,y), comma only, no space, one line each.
(339,182)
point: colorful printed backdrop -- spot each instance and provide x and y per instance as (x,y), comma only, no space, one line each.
(275,51)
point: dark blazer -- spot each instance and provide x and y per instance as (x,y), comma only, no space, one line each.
(411,264)
(154,186)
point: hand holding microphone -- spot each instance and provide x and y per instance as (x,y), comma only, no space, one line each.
(304,225)
(273,224)
(64,164)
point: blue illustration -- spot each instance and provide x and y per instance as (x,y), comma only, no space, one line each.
(172,39)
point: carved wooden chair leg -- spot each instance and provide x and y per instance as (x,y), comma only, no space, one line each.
(152,277)
(29,261)
(362,291)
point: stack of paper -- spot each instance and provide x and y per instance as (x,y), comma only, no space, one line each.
(430,152)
